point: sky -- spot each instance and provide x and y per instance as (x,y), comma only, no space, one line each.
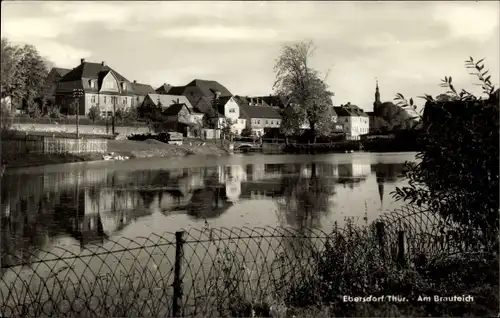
(408,46)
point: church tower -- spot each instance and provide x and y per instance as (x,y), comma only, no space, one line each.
(377,101)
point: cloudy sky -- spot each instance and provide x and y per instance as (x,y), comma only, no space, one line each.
(408,46)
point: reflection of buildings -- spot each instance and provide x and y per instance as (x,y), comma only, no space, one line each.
(353,173)
(114,208)
(386,173)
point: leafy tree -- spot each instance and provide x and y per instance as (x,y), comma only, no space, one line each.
(120,114)
(291,121)
(446,97)
(208,121)
(54,111)
(130,114)
(32,74)
(5,117)
(150,112)
(94,114)
(295,79)
(246,132)
(391,117)
(11,83)
(457,177)
(227,123)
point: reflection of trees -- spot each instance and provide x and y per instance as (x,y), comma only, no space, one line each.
(148,196)
(305,199)
(210,201)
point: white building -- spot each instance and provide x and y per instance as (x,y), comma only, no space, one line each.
(355,121)
(230,110)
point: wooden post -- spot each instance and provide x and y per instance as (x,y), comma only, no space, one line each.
(380,227)
(401,248)
(179,254)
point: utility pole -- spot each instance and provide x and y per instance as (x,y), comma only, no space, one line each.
(77,94)
(114,115)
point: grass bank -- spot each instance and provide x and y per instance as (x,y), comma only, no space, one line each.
(130,148)
(154,148)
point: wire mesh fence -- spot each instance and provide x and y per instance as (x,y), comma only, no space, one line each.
(204,272)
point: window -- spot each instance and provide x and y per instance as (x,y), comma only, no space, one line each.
(125,101)
(272,122)
(258,121)
(124,86)
(137,98)
(92,99)
(92,83)
(232,110)
(267,122)
(104,99)
(109,84)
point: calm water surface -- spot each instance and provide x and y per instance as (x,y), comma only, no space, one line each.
(84,203)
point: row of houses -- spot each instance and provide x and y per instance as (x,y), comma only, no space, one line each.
(109,91)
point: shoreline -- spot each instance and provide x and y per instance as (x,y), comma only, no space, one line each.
(132,149)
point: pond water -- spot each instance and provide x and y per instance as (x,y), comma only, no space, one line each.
(84,203)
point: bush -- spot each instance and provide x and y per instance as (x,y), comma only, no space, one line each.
(351,265)
(457,177)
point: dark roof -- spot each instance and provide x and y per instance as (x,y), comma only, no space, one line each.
(174,109)
(142,89)
(209,87)
(273,101)
(167,100)
(349,110)
(247,111)
(176,90)
(61,71)
(371,114)
(90,70)
(163,89)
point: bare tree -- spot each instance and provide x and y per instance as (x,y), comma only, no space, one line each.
(298,82)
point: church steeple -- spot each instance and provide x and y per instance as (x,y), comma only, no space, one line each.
(377,97)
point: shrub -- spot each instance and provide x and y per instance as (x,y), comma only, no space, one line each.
(457,177)
(54,112)
(94,114)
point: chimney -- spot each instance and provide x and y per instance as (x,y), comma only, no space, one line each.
(103,63)
(135,82)
(82,61)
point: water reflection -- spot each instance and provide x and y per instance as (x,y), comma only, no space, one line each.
(93,205)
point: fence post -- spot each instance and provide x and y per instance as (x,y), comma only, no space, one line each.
(401,248)
(380,226)
(179,254)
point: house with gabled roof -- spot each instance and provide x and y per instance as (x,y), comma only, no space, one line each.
(55,75)
(168,101)
(163,89)
(258,119)
(355,121)
(165,101)
(102,86)
(229,111)
(200,93)
(140,92)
